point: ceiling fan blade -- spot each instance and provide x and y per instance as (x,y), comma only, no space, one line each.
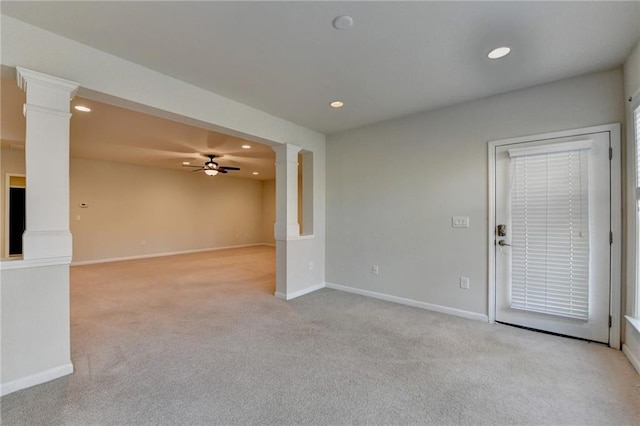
(221,170)
(230,168)
(198,170)
(186,165)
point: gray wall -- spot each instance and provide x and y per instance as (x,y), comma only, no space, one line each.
(393,187)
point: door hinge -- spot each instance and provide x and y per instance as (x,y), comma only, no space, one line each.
(610,321)
(610,153)
(610,237)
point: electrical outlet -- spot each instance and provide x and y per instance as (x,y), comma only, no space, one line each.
(311,265)
(464,283)
(375,270)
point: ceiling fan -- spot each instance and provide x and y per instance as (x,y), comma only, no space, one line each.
(211,168)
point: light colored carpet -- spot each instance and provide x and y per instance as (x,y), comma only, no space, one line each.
(200,339)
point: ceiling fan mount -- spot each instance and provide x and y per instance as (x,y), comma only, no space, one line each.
(212,168)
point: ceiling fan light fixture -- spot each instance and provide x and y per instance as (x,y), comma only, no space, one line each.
(211,168)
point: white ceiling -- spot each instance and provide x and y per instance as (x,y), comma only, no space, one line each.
(398,58)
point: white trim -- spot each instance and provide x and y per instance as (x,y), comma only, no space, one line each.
(44,110)
(6,264)
(615,332)
(26,76)
(616,219)
(491,279)
(631,357)
(36,379)
(168,253)
(551,149)
(299,293)
(300,237)
(410,302)
(297,237)
(634,322)
(632,287)
(556,135)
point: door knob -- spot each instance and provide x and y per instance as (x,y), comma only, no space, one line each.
(503,243)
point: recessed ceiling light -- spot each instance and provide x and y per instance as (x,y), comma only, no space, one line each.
(336,104)
(185,163)
(256,173)
(246,146)
(499,52)
(82,108)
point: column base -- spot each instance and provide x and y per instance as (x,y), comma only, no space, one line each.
(46,244)
(284,230)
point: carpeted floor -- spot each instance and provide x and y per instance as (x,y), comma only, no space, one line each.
(200,339)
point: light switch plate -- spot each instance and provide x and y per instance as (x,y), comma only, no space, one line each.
(460,222)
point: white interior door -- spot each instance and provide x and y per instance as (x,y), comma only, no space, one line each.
(552,236)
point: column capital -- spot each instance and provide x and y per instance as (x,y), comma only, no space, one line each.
(286,152)
(45,90)
(26,76)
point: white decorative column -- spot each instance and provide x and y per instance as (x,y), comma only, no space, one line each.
(286,192)
(286,226)
(47,233)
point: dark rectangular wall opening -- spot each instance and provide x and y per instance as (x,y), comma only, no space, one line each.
(16,220)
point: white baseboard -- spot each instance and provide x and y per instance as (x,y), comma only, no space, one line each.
(299,293)
(169,253)
(410,302)
(36,379)
(633,359)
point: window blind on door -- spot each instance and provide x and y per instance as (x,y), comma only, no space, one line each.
(550,230)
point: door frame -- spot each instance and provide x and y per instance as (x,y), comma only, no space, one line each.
(615,295)
(7,200)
